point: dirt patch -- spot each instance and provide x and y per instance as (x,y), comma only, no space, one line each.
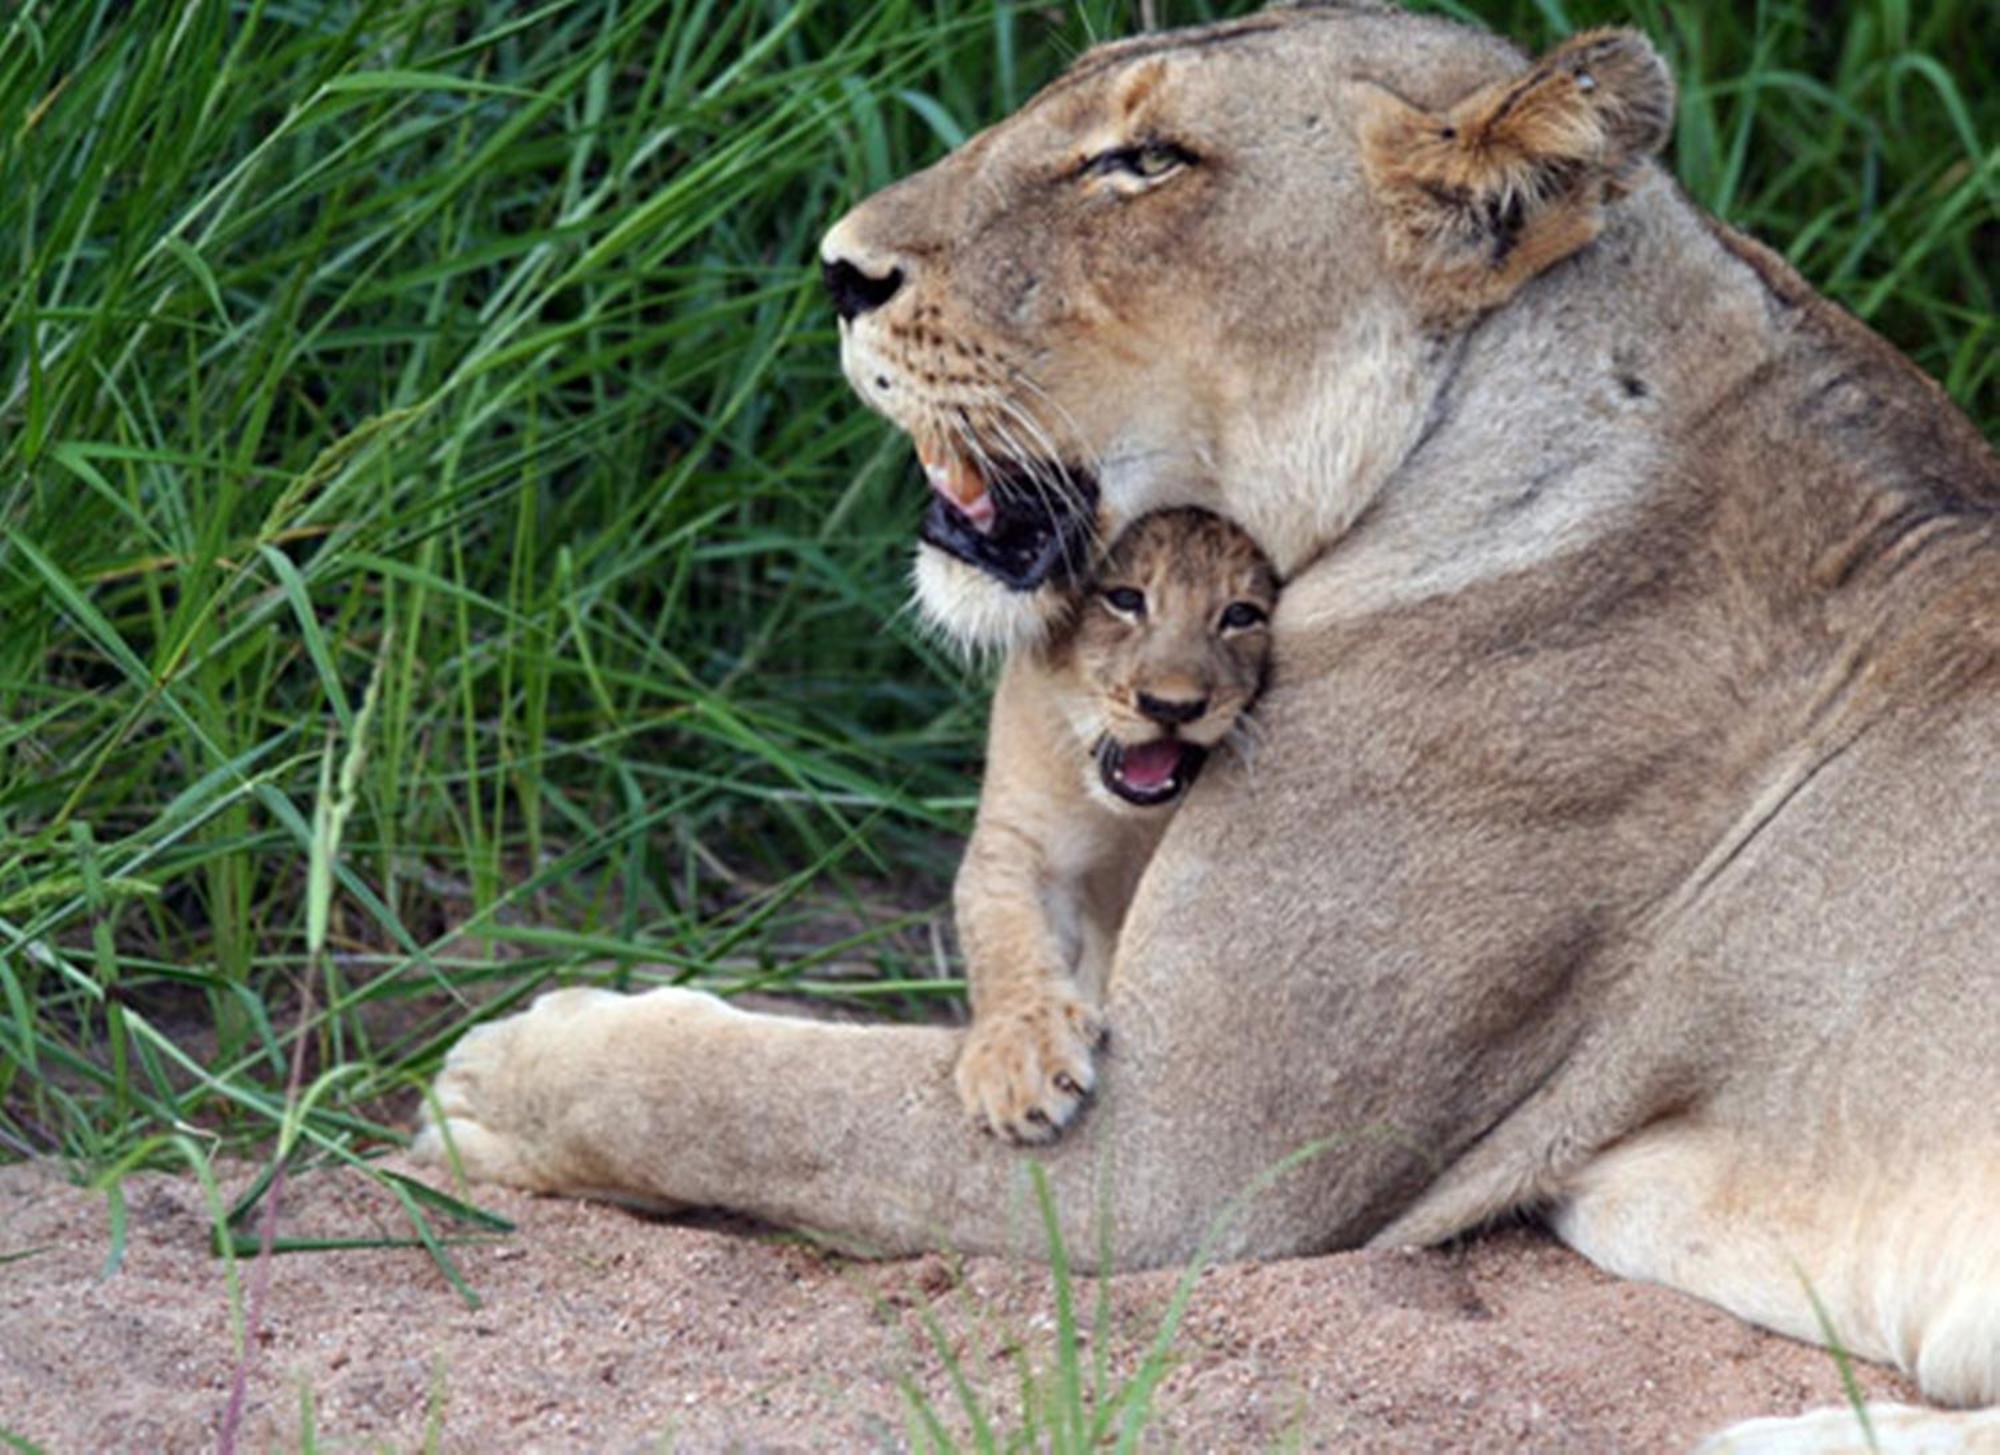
(603,1330)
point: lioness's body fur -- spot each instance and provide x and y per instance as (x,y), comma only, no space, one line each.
(1055,853)
(1630,792)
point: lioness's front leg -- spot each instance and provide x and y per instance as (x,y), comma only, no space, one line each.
(672,1098)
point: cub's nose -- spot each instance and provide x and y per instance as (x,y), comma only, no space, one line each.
(1171,712)
(856,292)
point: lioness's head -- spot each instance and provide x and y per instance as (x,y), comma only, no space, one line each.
(1165,650)
(1222,267)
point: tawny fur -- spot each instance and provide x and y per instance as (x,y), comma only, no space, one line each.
(1054,855)
(1488,193)
(1622,841)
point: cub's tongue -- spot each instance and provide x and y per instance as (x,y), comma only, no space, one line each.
(1150,766)
(958,480)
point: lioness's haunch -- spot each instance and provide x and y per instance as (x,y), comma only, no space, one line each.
(1625,821)
(1096,733)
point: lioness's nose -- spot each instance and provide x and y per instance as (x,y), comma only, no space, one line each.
(1170,712)
(855,290)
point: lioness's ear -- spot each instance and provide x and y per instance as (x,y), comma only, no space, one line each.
(1483,196)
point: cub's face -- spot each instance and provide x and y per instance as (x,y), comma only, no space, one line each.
(1166,651)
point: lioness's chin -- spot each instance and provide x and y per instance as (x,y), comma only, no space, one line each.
(976,611)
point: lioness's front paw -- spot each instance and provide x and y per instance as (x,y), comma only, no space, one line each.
(471,1111)
(1025,1069)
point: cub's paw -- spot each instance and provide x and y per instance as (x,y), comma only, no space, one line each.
(1025,1069)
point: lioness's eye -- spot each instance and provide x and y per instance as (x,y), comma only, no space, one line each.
(1126,600)
(1148,161)
(1239,615)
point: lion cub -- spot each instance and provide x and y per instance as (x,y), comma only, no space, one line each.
(1094,736)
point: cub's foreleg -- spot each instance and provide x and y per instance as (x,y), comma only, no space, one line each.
(1025,1067)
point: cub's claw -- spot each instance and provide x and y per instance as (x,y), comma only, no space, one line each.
(1025,1070)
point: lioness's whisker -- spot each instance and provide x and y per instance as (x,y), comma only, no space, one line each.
(1024,459)
(1081,500)
(1055,494)
(1046,466)
(1091,461)
(989,468)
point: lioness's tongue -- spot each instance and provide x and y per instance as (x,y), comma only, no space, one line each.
(1150,766)
(958,480)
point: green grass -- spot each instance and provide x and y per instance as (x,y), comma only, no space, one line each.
(1067,1401)
(473,348)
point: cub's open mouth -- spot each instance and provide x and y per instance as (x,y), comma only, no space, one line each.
(1019,522)
(1149,774)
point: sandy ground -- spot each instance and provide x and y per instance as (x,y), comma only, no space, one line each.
(603,1330)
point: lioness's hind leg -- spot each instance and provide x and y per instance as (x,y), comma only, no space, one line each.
(1893,1429)
(1894,1251)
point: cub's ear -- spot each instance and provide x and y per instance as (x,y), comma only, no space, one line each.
(1481,197)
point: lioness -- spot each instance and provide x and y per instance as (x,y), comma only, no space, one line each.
(1627,811)
(1095,733)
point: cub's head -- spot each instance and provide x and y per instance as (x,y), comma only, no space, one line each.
(1166,650)
(1217,267)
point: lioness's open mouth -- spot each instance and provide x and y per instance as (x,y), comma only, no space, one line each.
(1006,517)
(1149,774)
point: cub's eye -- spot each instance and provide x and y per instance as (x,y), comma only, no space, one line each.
(1149,161)
(1125,600)
(1242,615)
